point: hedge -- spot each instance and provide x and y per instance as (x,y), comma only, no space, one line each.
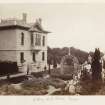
(8,68)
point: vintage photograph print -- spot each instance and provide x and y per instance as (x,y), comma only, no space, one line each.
(52,49)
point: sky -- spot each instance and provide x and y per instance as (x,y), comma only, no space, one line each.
(71,24)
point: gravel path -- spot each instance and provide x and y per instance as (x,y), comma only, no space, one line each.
(52,89)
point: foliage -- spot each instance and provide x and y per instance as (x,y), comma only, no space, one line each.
(10,90)
(36,83)
(69,61)
(56,73)
(50,55)
(56,54)
(96,66)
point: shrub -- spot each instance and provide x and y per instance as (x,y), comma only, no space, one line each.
(38,84)
(37,74)
(63,76)
(8,68)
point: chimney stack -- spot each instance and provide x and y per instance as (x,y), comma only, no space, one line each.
(24,17)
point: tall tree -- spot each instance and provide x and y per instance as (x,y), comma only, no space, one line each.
(96,66)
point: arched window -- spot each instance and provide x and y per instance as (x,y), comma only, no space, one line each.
(22,38)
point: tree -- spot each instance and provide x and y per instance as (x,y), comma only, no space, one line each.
(54,62)
(96,66)
(49,57)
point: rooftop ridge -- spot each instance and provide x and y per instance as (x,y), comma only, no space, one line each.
(11,22)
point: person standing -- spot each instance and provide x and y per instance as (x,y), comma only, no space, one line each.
(26,68)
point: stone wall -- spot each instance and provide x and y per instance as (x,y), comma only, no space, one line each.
(8,56)
(7,40)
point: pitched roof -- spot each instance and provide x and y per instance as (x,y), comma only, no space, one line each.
(37,27)
(15,23)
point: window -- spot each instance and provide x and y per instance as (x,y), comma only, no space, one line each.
(34,59)
(43,40)
(22,38)
(21,57)
(38,40)
(32,39)
(43,56)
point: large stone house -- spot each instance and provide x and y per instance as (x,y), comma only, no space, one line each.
(21,41)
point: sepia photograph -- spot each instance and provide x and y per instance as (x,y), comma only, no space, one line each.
(52,49)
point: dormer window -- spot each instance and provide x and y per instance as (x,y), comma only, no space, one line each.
(22,38)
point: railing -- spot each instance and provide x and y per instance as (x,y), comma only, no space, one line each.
(34,47)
